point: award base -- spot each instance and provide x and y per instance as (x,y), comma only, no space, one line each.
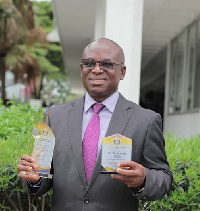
(37,174)
(112,171)
(43,175)
(108,172)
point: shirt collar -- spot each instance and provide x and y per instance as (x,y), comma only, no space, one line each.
(109,103)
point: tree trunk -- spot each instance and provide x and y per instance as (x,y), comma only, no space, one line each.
(43,203)
(3,79)
(41,85)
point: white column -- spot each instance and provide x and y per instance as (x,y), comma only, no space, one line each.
(167,81)
(123,24)
(99,30)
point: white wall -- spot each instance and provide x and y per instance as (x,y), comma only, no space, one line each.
(123,24)
(13,91)
(12,88)
(183,125)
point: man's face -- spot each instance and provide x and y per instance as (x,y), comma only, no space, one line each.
(100,83)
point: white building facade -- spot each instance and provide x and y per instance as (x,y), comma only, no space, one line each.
(160,39)
(182,101)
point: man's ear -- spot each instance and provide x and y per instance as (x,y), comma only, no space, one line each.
(123,72)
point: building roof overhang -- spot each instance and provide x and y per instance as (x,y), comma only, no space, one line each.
(163,20)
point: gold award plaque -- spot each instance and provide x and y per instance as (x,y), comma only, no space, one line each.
(43,149)
(115,149)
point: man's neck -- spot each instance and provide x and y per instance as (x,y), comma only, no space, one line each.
(100,99)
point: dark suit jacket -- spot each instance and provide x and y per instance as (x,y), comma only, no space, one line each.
(70,191)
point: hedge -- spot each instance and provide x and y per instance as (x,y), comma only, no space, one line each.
(184,159)
(16,124)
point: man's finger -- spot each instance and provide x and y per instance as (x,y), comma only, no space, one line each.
(29,176)
(24,168)
(125,172)
(122,178)
(27,158)
(26,163)
(130,164)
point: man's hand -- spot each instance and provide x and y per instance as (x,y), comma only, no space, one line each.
(25,167)
(133,174)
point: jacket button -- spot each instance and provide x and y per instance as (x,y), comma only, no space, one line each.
(86,200)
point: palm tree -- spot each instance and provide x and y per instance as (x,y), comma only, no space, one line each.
(17,34)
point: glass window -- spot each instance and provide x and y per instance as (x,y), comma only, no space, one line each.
(184,81)
(191,66)
(176,73)
(197,71)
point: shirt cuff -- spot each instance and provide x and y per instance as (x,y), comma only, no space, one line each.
(136,191)
(33,187)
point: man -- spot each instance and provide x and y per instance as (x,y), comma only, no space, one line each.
(147,176)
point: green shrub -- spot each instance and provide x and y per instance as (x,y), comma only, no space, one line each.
(16,124)
(184,159)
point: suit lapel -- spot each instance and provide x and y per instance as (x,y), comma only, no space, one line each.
(75,125)
(120,117)
(117,124)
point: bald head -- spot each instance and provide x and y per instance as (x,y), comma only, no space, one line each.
(102,68)
(109,44)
